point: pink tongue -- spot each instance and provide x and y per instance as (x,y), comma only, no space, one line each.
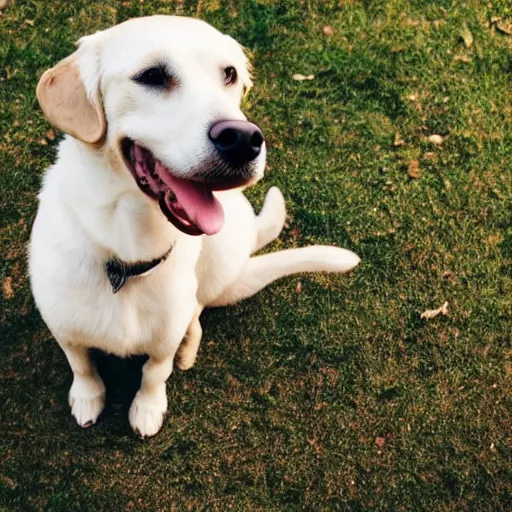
(198,201)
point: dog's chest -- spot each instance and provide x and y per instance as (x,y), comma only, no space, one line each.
(81,307)
(119,323)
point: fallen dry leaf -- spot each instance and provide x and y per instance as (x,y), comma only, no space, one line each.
(8,481)
(467,36)
(314,443)
(300,77)
(413,169)
(3,4)
(299,287)
(380,442)
(431,313)
(7,288)
(30,22)
(50,134)
(463,58)
(328,30)
(505,28)
(398,140)
(436,139)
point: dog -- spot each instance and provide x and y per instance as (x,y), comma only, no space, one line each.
(142,222)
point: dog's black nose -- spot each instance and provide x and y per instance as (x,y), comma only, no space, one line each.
(238,142)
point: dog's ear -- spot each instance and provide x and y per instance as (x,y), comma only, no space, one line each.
(67,104)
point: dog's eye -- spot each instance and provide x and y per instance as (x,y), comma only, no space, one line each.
(230,75)
(154,77)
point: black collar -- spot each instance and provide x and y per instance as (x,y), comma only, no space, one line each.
(118,272)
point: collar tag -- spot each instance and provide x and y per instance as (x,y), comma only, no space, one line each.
(118,272)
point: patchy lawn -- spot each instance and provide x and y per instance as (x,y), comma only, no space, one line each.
(321,393)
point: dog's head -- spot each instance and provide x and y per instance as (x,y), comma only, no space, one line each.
(162,95)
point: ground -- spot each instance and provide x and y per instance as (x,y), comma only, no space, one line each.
(321,393)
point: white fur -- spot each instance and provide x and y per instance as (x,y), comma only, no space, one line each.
(91,209)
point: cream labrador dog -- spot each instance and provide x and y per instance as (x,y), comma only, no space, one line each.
(141,222)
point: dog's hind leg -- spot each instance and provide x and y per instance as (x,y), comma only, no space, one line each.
(270,220)
(260,271)
(87,394)
(187,352)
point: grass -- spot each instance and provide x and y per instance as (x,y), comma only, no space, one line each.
(332,395)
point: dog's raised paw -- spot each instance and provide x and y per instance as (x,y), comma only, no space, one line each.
(147,413)
(87,400)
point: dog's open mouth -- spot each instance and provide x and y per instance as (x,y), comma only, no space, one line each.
(189,204)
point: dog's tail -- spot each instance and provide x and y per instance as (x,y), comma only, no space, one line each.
(260,271)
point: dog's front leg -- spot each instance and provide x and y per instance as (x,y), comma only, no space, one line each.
(87,394)
(150,403)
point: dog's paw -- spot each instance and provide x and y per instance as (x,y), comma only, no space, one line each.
(147,413)
(185,358)
(86,399)
(275,200)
